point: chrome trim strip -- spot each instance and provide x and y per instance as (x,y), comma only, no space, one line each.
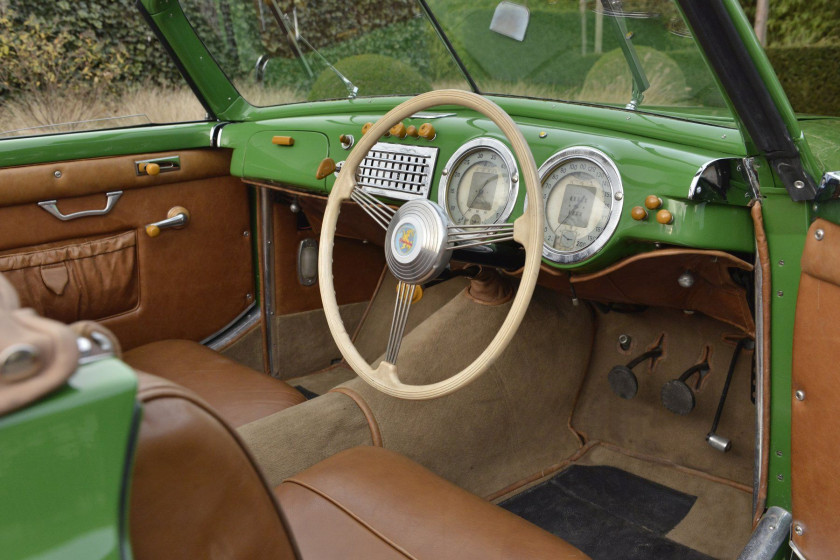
(216,134)
(758,466)
(267,277)
(796,550)
(226,335)
(748,167)
(463,152)
(609,168)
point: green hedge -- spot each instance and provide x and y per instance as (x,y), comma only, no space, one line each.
(809,76)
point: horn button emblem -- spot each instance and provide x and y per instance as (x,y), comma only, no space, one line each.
(416,242)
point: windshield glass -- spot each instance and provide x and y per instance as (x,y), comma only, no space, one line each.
(636,54)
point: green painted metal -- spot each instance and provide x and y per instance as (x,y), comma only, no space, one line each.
(212,84)
(293,165)
(63,467)
(773,85)
(102,143)
(786,223)
(648,165)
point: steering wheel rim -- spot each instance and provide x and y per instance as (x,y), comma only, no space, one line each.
(527,230)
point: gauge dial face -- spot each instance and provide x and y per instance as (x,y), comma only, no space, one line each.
(479,184)
(582,194)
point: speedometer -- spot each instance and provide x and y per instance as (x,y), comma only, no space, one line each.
(582,196)
(478,185)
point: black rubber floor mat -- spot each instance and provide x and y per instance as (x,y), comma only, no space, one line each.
(608,513)
(306,392)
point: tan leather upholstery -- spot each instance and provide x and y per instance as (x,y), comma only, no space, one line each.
(238,393)
(371,503)
(815,418)
(196,492)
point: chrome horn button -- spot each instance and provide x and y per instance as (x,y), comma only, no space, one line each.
(416,242)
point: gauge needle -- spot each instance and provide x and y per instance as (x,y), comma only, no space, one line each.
(569,213)
(481,190)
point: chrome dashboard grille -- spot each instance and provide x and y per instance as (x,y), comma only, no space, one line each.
(397,171)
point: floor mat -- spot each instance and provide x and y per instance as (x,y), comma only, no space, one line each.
(608,513)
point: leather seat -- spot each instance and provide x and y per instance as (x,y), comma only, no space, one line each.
(197,493)
(238,393)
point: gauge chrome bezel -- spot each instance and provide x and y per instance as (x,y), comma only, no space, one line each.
(609,169)
(462,153)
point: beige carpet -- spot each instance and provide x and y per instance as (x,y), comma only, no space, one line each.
(303,342)
(509,423)
(643,424)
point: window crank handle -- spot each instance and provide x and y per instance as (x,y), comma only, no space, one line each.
(177,217)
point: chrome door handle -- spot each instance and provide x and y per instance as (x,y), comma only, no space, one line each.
(177,217)
(51,206)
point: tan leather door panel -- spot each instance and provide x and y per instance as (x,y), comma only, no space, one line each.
(185,283)
(815,422)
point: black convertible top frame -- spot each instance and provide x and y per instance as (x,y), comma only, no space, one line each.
(737,72)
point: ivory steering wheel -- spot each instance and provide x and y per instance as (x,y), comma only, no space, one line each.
(419,241)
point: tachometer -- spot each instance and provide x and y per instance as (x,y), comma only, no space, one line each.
(582,196)
(478,185)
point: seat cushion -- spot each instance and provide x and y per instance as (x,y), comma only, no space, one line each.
(368,502)
(238,393)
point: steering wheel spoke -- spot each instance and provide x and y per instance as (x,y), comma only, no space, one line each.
(379,211)
(405,296)
(463,236)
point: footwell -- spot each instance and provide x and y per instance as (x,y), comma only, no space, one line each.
(608,513)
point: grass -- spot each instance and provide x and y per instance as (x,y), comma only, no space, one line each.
(51,112)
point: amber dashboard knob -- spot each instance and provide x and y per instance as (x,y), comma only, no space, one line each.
(366,127)
(398,130)
(427,131)
(664,217)
(638,213)
(149,168)
(412,131)
(653,202)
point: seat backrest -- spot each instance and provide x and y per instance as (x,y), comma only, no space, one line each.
(196,491)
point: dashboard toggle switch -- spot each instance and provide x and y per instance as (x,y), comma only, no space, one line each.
(326,167)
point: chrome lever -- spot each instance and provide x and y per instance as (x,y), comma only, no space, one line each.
(51,206)
(177,217)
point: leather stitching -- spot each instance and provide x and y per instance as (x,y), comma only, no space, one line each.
(347,511)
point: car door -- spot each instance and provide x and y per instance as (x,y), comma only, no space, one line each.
(84,204)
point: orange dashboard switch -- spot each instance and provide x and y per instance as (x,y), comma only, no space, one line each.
(664,217)
(326,167)
(412,131)
(366,127)
(653,202)
(283,141)
(638,213)
(427,131)
(398,130)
